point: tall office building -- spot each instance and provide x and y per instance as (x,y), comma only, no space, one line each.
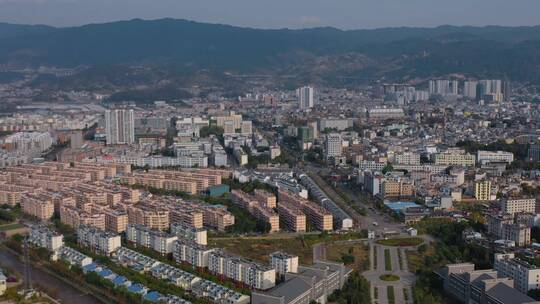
(469,89)
(120,127)
(305,98)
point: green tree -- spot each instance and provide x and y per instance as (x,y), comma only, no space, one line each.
(211,130)
(387,168)
(534,293)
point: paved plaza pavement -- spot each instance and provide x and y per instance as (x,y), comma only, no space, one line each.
(379,287)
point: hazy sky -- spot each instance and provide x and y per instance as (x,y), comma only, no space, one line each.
(346,14)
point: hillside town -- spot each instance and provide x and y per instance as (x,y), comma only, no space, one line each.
(279,196)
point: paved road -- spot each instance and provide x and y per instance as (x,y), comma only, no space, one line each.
(385,224)
(65,293)
(385,221)
(406,280)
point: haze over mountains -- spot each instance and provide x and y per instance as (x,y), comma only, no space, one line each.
(320,53)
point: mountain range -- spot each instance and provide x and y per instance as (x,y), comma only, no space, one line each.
(319,54)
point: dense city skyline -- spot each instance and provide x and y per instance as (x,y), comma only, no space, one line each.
(348,14)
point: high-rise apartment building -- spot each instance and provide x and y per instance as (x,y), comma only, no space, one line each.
(120,127)
(490,90)
(305,98)
(25,142)
(469,89)
(443,87)
(507,89)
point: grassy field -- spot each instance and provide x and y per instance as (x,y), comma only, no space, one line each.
(352,255)
(400,259)
(374,257)
(258,248)
(387,260)
(401,242)
(11,226)
(406,294)
(389,277)
(390,294)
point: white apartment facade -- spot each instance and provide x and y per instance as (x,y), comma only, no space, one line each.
(252,274)
(333,145)
(46,238)
(156,240)
(513,206)
(104,242)
(284,263)
(407,158)
(191,253)
(497,156)
(455,157)
(197,235)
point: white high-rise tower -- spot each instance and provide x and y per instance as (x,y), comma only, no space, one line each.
(469,89)
(305,98)
(120,127)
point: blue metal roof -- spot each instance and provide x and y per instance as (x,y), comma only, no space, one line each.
(136,288)
(153,296)
(89,267)
(105,273)
(400,206)
(119,280)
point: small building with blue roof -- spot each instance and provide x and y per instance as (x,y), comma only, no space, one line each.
(107,274)
(121,281)
(138,289)
(92,267)
(153,297)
